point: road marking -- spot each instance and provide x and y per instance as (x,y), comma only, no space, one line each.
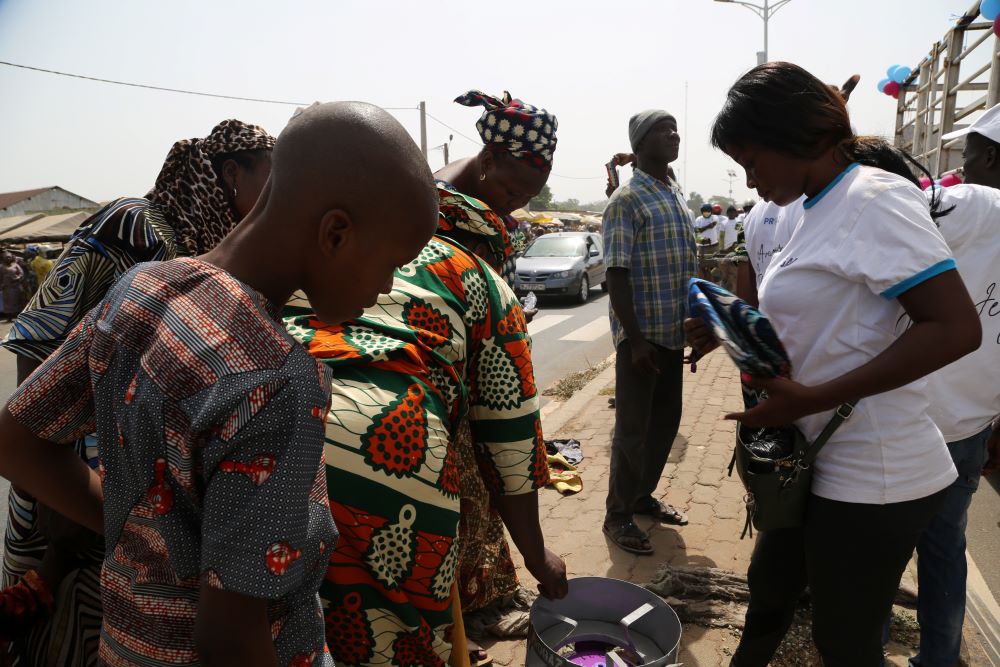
(983,611)
(540,324)
(590,332)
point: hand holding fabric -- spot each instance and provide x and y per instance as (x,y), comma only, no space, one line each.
(699,336)
(786,401)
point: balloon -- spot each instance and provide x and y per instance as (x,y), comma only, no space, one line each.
(892,68)
(900,73)
(990,9)
(895,95)
(949,180)
(996,26)
(881,85)
(891,89)
(925,182)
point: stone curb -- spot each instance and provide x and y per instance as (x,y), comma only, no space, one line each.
(557,414)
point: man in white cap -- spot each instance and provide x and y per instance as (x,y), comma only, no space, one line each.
(650,247)
(982,149)
(965,396)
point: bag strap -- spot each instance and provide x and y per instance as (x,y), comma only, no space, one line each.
(842,414)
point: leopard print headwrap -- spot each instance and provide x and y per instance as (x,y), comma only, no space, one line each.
(187,189)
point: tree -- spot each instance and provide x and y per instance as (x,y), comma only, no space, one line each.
(543,201)
(695,201)
(595,205)
(724,202)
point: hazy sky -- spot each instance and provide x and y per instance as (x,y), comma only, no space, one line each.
(591,63)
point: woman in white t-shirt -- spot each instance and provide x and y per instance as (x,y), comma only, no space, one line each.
(865,252)
(766,230)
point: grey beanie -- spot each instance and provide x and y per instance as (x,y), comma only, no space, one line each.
(640,124)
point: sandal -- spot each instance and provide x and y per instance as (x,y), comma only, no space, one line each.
(477,656)
(664,513)
(623,529)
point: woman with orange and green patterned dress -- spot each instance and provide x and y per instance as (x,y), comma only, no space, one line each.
(477,195)
(449,342)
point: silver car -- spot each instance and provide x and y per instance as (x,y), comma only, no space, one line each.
(564,263)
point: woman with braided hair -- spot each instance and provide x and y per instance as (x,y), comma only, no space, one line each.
(206,186)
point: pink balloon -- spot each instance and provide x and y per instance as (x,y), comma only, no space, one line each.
(891,89)
(925,182)
(949,180)
(996,26)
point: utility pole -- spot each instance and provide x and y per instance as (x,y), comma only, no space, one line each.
(731,175)
(423,129)
(765,12)
(446,147)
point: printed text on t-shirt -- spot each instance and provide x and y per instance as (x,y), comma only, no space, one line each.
(990,306)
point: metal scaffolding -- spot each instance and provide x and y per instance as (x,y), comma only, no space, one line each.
(960,75)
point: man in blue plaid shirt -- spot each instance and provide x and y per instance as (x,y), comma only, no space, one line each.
(651,254)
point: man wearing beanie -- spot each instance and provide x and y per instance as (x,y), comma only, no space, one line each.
(650,246)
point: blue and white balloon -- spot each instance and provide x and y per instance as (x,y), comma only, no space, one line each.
(901,72)
(990,9)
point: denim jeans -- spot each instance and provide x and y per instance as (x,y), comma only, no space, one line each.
(941,566)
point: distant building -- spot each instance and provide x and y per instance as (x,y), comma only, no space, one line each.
(48,199)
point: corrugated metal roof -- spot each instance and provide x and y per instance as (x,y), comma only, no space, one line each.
(15,221)
(48,228)
(11,198)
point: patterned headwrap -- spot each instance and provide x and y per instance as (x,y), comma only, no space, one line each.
(187,189)
(460,212)
(508,125)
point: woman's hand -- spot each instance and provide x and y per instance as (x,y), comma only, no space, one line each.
(700,336)
(551,575)
(786,401)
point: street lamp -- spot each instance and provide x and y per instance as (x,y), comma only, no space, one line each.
(731,175)
(765,12)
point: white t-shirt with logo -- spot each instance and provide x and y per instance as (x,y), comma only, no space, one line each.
(766,229)
(831,295)
(727,233)
(710,235)
(965,395)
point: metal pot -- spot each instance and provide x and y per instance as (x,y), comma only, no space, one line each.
(603,622)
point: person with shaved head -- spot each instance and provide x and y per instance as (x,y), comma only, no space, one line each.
(211,492)
(434,385)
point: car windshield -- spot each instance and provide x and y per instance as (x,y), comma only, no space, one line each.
(565,246)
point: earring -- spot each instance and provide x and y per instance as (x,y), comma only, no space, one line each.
(482,176)
(234,192)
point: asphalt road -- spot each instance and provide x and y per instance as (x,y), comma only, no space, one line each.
(568,337)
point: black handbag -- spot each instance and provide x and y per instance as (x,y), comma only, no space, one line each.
(778,488)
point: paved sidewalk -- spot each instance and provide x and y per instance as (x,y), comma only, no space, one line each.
(695,480)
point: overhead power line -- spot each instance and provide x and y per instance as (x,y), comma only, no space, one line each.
(260,100)
(173,90)
(437,120)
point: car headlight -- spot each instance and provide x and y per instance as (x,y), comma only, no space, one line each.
(562,274)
